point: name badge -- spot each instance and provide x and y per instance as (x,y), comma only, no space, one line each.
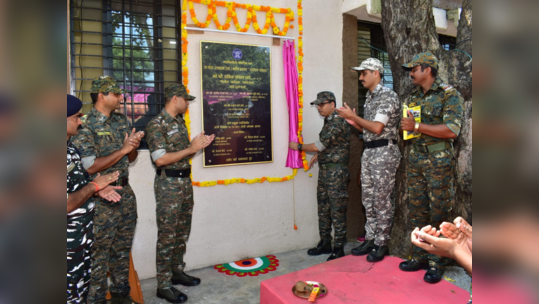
(104,134)
(170,133)
(70,168)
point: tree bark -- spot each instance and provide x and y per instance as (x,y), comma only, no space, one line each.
(409,28)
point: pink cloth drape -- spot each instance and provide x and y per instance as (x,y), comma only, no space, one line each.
(294,160)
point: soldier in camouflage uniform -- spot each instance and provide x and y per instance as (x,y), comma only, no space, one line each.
(432,159)
(381,157)
(80,210)
(332,152)
(106,146)
(171,151)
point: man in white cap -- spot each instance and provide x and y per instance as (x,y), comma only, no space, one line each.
(381,158)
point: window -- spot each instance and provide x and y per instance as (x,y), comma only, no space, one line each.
(448,43)
(371,44)
(136,42)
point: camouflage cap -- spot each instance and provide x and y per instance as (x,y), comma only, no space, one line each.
(322,97)
(371,64)
(423,58)
(105,84)
(178,90)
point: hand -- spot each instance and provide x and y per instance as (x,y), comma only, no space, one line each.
(408,123)
(209,140)
(314,160)
(136,138)
(433,245)
(346,112)
(465,228)
(105,180)
(110,194)
(430,231)
(460,227)
(293,145)
(198,143)
(130,142)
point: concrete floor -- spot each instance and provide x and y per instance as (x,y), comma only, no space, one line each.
(217,288)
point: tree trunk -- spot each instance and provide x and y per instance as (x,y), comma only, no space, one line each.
(409,29)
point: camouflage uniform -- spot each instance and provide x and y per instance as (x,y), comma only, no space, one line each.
(166,134)
(379,165)
(79,232)
(114,223)
(334,147)
(430,174)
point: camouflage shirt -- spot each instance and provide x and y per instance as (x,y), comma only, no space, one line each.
(79,230)
(102,136)
(383,105)
(334,141)
(442,104)
(166,134)
(77,177)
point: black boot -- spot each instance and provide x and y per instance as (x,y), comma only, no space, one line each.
(377,254)
(413,265)
(122,298)
(172,295)
(434,275)
(364,248)
(181,278)
(338,252)
(321,248)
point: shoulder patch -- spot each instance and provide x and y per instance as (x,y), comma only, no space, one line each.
(84,118)
(446,87)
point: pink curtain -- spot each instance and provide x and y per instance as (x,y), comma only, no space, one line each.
(294,160)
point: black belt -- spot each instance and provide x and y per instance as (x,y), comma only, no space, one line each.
(186,173)
(121,182)
(379,143)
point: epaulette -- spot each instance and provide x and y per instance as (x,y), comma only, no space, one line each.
(84,118)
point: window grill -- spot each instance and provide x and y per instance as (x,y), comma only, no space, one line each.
(135,41)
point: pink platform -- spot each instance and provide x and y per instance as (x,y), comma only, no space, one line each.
(354,280)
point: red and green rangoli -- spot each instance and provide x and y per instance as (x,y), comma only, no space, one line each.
(250,267)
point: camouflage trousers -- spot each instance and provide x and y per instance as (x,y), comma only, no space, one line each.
(333,204)
(174,213)
(114,228)
(430,185)
(378,169)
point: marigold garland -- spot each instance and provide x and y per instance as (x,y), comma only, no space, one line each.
(251,18)
(300,83)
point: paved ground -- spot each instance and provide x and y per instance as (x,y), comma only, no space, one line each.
(219,288)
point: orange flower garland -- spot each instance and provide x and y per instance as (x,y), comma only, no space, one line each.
(231,16)
(251,16)
(300,83)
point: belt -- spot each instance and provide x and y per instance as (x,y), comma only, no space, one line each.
(433,148)
(121,182)
(379,143)
(332,166)
(186,173)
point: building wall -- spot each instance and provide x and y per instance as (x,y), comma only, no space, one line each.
(242,221)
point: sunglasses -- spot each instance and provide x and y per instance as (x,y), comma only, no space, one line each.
(322,104)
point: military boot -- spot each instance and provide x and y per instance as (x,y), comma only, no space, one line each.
(377,254)
(121,298)
(434,274)
(181,278)
(172,295)
(338,252)
(321,248)
(413,265)
(364,248)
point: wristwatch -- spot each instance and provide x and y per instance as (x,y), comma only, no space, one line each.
(416,127)
(300,147)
